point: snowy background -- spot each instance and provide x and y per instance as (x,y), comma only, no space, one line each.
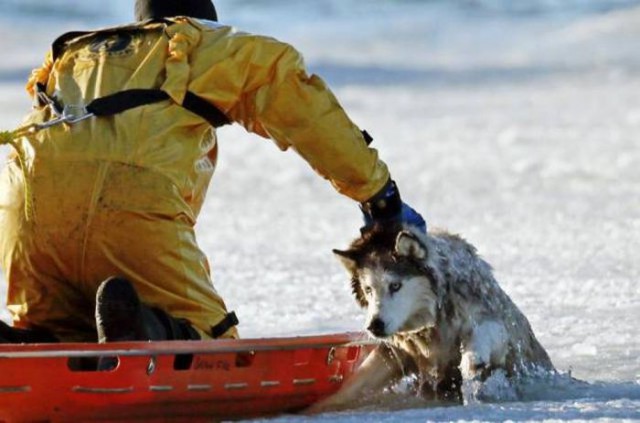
(513,123)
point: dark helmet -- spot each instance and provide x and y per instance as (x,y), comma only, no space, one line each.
(155,9)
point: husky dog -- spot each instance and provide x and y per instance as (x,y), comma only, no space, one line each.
(440,313)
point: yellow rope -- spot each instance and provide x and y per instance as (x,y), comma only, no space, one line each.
(10,138)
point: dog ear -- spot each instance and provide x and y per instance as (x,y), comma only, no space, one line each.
(408,245)
(349,259)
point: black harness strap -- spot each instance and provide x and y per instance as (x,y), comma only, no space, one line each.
(130,99)
(205,110)
(125,100)
(229,321)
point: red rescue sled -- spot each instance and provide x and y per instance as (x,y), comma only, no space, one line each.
(174,380)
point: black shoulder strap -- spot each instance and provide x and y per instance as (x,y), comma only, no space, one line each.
(204,109)
(130,99)
(125,100)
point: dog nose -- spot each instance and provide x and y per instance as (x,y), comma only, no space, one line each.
(376,327)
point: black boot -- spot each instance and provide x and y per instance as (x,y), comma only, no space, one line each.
(119,312)
(120,316)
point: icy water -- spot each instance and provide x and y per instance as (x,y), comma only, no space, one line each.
(515,124)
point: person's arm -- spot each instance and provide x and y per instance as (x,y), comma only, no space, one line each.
(262,84)
(299,111)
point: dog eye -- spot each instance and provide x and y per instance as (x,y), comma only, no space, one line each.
(395,287)
(367,290)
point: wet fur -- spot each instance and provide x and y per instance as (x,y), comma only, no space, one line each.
(454,322)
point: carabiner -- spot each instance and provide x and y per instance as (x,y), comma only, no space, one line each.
(71,114)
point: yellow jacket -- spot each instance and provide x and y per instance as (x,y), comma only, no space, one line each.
(256,81)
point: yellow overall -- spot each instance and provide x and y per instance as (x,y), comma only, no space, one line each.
(120,195)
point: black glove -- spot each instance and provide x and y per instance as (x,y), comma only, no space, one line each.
(387,207)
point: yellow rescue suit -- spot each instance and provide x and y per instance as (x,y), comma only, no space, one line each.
(120,195)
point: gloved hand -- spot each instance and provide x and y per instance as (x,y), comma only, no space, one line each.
(387,207)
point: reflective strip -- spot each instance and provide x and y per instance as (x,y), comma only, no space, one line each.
(160,388)
(199,388)
(14,389)
(269,383)
(235,386)
(87,390)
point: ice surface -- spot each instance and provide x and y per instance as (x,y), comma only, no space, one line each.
(515,126)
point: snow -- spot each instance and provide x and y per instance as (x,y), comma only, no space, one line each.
(516,127)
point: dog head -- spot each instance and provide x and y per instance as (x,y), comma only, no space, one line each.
(391,277)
